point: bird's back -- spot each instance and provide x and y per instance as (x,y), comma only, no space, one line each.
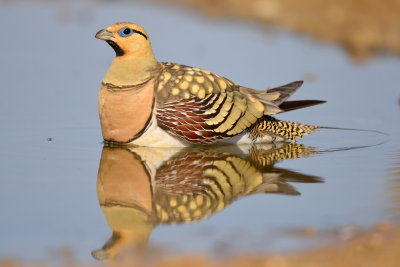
(203,108)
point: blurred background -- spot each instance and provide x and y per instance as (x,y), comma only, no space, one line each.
(346,51)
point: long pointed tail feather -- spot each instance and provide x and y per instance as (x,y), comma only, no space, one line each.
(274,100)
(289,130)
(292,105)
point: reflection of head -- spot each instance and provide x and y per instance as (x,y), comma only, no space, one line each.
(131,230)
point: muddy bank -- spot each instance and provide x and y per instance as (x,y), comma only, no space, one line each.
(379,246)
(363,27)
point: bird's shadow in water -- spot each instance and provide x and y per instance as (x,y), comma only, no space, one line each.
(139,188)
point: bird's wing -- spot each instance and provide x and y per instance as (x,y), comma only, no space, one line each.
(203,107)
(284,91)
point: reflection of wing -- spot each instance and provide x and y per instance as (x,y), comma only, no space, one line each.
(137,190)
(199,181)
(196,183)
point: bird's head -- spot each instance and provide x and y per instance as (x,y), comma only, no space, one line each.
(127,39)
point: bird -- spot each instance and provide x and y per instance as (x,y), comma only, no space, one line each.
(144,102)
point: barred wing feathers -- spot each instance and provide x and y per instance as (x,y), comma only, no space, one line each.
(202,107)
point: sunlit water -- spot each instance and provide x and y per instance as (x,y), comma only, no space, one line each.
(50,70)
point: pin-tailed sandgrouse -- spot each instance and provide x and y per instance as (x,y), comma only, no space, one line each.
(149,103)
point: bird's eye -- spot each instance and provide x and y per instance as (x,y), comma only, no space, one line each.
(125,32)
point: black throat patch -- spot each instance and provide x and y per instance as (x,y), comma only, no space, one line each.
(118,51)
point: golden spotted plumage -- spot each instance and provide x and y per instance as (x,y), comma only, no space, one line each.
(190,105)
(227,108)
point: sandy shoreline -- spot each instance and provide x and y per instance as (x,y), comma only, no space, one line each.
(378,246)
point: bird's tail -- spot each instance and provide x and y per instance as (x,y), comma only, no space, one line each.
(274,99)
(289,130)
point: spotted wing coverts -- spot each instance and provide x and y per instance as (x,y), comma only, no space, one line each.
(202,107)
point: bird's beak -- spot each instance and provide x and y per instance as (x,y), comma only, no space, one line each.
(104,35)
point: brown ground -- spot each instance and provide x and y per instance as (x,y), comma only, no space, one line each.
(363,27)
(379,246)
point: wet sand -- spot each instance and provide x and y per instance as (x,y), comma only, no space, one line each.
(378,246)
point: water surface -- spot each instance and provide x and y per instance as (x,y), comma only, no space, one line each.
(51,67)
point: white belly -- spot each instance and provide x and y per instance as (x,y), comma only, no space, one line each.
(245,139)
(158,137)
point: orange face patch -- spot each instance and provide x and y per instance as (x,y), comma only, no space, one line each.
(128,39)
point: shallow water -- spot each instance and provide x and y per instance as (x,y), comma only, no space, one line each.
(51,68)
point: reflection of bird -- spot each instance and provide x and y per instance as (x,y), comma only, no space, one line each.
(139,188)
(148,103)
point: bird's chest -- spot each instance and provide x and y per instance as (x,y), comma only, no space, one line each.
(125,113)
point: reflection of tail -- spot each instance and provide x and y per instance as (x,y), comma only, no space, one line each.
(275,179)
(264,156)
